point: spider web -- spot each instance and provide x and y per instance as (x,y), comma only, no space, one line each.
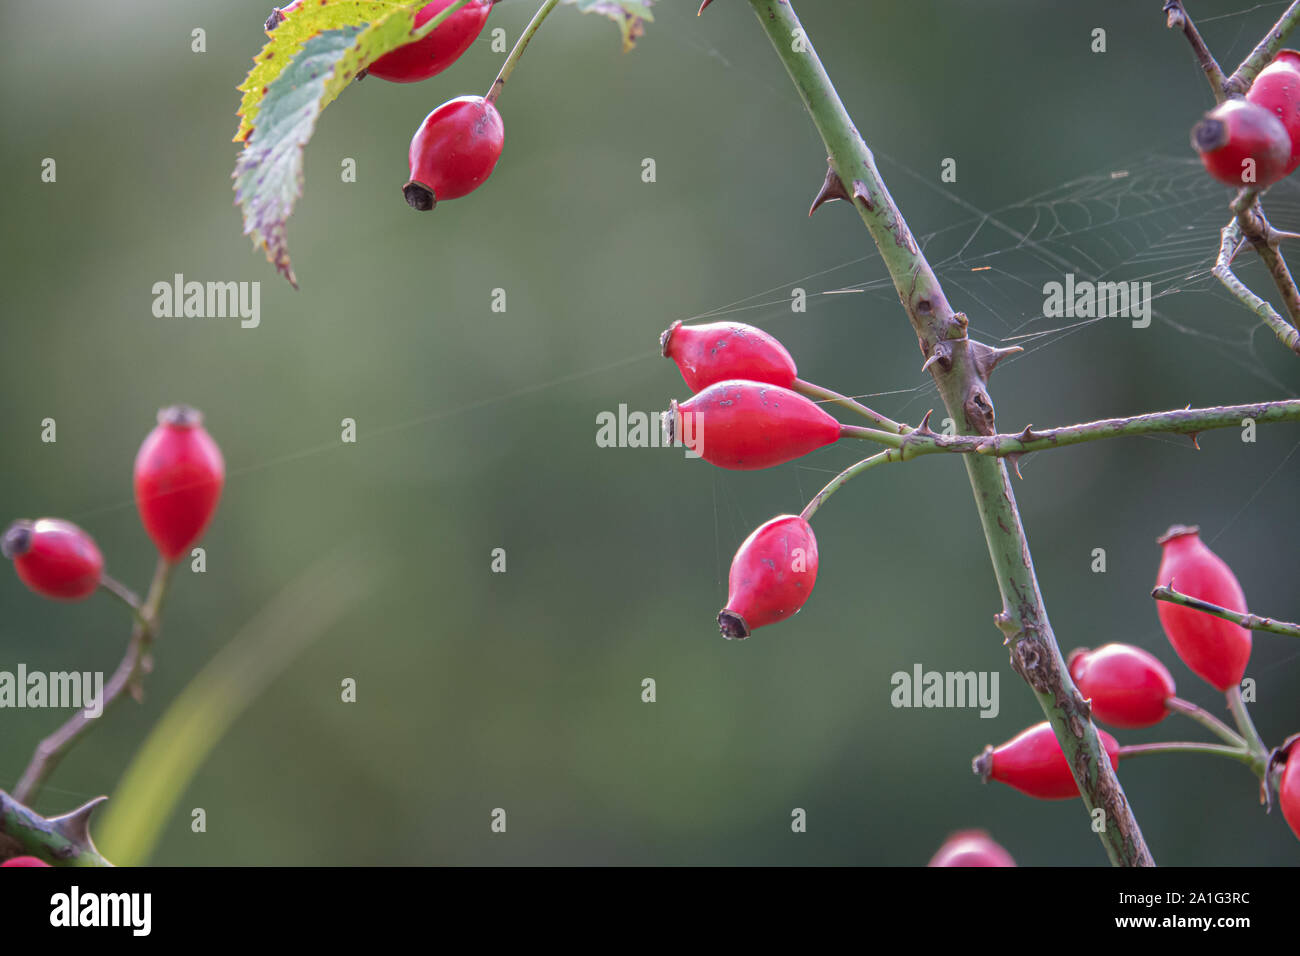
(1153,219)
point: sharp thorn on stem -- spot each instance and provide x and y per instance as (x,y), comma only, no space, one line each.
(986,357)
(832,188)
(1014,459)
(75,826)
(703,7)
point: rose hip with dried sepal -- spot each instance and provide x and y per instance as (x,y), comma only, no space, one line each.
(748,425)
(1033,763)
(717,351)
(1127,686)
(1213,649)
(1242,144)
(453,152)
(771,576)
(179,474)
(54,558)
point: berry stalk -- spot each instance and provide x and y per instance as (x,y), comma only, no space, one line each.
(1207,720)
(819,394)
(512,59)
(1239,754)
(844,477)
(1241,716)
(127,677)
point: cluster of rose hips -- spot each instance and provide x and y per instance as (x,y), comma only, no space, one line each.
(179,474)
(457,146)
(745,414)
(1129,688)
(1255,141)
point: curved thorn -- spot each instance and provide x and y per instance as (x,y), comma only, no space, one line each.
(75,825)
(832,188)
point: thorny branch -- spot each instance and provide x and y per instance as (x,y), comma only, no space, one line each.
(960,368)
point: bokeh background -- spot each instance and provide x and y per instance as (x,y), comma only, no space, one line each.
(477,430)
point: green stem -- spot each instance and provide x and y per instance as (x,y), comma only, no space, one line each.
(513,59)
(844,477)
(1206,719)
(1264,52)
(1247,620)
(1241,716)
(1181,421)
(1239,754)
(819,394)
(53,748)
(960,369)
(61,841)
(122,593)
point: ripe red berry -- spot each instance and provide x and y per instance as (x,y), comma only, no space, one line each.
(54,558)
(1213,649)
(1242,144)
(1034,764)
(1288,790)
(748,425)
(1128,687)
(771,577)
(706,354)
(23,861)
(1277,89)
(971,848)
(438,50)
(454,151)
(179,474)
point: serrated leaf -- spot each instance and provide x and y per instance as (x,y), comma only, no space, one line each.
(286,39)
(268,172)
(630,15)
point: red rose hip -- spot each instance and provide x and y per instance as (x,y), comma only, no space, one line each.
(440,49)
(1213,649)
(23,861)
(1277,89)
(179,474)
(1242,144)
(717,351)
(54,558)
(771,577)
(454,151)
(748,425)
(1034,764)
(1288,790)
(1128,687)
(971,848)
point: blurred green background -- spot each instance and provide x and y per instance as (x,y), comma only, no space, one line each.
(477,429)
